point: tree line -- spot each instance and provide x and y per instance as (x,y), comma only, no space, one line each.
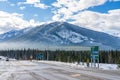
(112,56)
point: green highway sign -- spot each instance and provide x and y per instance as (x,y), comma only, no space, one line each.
(95,52)
(95,55)
(95,48)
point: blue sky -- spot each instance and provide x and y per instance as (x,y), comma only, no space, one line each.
(100,15)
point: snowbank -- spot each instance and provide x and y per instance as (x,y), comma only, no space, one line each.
(102,66)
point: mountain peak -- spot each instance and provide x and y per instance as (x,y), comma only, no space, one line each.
(62,33)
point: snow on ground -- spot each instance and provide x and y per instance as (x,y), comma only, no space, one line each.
(73,65)
(109,66)
(53,70)
(4,58)
(102,66)
(76,65)
(8,68)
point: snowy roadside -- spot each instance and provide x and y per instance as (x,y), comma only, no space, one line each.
(102,66)
(53,70)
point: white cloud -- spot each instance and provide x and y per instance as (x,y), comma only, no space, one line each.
(22,7)
(56,17)
(114,0)
(17,15)
(76,5)
(76,11)
(39,5)
(35,3)
(9,21)
(32,1)
(66,8)
(12,4)
(98,21)
(32,22)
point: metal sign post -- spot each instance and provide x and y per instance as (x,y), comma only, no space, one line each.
(94,56)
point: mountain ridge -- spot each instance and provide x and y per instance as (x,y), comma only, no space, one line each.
(62,33)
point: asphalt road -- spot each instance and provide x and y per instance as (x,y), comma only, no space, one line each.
(42,70)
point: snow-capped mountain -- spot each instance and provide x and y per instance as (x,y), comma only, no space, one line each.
(12,34)
(116,34)
(62,33)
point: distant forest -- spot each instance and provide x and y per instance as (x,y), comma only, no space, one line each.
(64,56)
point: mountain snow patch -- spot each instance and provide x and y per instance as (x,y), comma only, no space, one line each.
(72,36)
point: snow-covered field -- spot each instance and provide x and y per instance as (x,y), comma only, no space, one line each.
(51,70)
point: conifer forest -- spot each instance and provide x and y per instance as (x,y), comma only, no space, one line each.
(111,56)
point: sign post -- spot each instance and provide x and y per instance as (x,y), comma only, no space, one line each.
(94,55)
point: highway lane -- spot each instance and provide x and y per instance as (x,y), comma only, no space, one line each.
(45,70)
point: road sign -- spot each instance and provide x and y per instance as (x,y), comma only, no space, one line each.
(95,50)
(95,55)
(40,56)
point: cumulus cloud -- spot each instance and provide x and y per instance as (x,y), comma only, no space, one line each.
(14,21)
(78,4)
(66,8)
(36,3)
(98,21)
(76,12)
